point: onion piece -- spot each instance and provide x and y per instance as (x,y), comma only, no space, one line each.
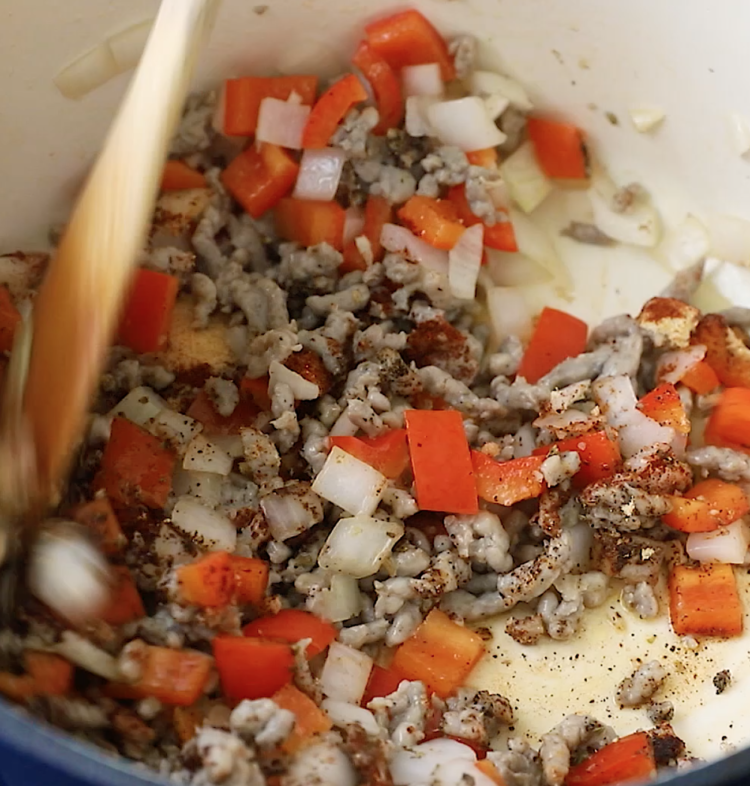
(646,118)
(203,456)
(726,544)
(343,714)
(729,238)
(638,225)
(464,262)
(229,443)
(127,46)
(422,80)
(175,428)
(169,546)
(513,269)
(210,529)
(685,245)
(351,484)
(739,129)
(399,240)
(416,121)
(281,122)
(354,223)
(359,545)
(345,673)
(302,389)
(534,243)
(319,174)
(464,122)
(672,366)
(89,71)
(527,184)
(289,514)
(487,83)
(416,765)
(87,656)
(340,602)
(319,763)
(616,397)
(495,105)
(510,314)
(204,486)
(140,406)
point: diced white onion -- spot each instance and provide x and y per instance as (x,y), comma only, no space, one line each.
(229,443)
(127,46)
(639,225)
(343,714)
(204,486)
(359,545)
(560,420)
(319,174)
(87,656)
(344,425)
(345,673)
(726,544)
(486,83)
(533,242)
(464,122)
(140,406)
(495,105)
(729,238)
(416,765)
(685,245)
(527,184)
(351,484)
(302,389)
(322,763)
(400,240)
(88,72)
(212,530)
(281,122)
(415,120)
(169,545)
(616,397)
(286,515)
(672,366)
(513,269)
(422,80)
(203,456)
(339,602)
(739,129)
(174,427)
(354,223)
(510,314)
(464,262)
(646,118)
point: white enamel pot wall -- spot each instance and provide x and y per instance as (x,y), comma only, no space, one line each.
(590,60)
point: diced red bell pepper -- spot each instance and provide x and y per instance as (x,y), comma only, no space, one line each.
(257,391)
(208,581)
(309,222)
(293,625)
(556,337)
(176,677)
(500,235)
(243,96)
(707,506)
(309,719)
(147,316)
(125,603)
(250,579)
(51,674)
(135,467)
(628,759)
(700,378)
(441,461)
(664,405)
(9,320)
(330,110)
(729,423)
(434,220)
(388,453)
(260,176)
(704,601)
(508,482)
(441,653)
(486,158)
(385,85)
(99,518)
(252,668)
(378,212)
(407,38)
(203,410)
(559,148)
(382,682)
(600,456)
(178,176)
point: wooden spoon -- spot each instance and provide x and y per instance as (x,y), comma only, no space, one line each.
(77,308)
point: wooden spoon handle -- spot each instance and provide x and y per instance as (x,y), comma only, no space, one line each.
(76,311)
